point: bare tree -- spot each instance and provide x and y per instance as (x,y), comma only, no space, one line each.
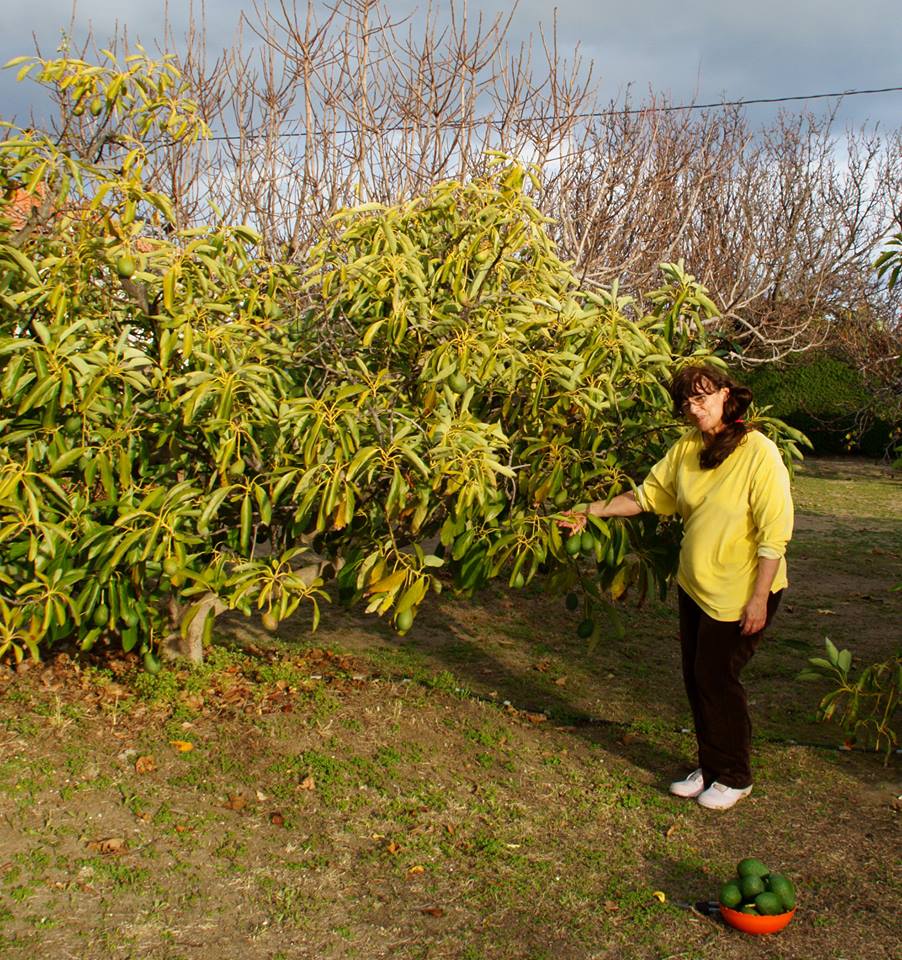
(314,109)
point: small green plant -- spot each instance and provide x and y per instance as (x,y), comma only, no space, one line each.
(865,705)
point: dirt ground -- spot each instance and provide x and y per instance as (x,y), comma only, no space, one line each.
(483,788)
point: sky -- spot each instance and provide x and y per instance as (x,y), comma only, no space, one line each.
(695,50)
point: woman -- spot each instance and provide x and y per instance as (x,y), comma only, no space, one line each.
(729,485)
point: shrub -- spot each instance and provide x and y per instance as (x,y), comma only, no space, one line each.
(829,401)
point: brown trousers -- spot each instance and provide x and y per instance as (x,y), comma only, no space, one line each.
(714,653)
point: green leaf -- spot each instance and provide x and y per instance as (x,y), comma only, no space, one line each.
(809,675)
(832,652)
(822,663)
(211,507)
(129,638)
(67,459)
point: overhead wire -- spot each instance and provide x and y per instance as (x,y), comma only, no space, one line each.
(625,111)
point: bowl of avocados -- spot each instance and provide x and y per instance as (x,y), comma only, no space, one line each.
(757,900)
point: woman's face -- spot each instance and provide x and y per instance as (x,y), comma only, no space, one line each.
(705,408)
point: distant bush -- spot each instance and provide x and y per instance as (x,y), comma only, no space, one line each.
(831,402)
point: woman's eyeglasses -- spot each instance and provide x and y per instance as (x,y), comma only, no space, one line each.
(697,400)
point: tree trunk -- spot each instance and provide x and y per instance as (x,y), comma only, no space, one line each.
(190,645)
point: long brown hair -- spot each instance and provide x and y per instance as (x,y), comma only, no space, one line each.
(696,378)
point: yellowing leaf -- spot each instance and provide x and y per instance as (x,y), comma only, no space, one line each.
(389,583)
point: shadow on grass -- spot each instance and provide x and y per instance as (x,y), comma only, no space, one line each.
(464,646)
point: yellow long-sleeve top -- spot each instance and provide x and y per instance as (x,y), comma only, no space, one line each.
(733,514)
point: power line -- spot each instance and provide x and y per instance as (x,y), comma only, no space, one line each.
(676,108)
(742,103)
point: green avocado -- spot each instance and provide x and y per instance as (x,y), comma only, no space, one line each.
(751,886)
(731,895)
(751,867)
(769,904)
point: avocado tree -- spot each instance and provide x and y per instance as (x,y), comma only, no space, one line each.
(188,427)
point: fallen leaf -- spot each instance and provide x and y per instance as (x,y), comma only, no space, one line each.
(236,802)
(660,895)
(449,828)
(261,797)
(180,828)
(276,819)
(415,870)
(393,848)
(560,681)
(826,612)
(308,783)
(671,830)
(629,738)
(433,911)
(183,746)
(145,764)
(611,906)
(378,836)
(110,845)
(536,717)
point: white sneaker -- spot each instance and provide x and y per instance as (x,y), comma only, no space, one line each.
(720,797)
(692,786)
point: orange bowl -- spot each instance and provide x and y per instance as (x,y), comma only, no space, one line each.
(749,923)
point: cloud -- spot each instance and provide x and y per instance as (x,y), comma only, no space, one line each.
(723,49)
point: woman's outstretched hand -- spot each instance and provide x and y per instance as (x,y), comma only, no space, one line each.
(573,521)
